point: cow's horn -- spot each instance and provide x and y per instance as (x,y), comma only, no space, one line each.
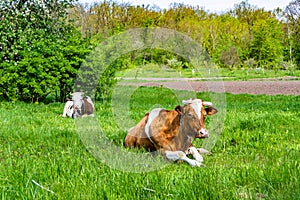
(206,103)
(187,101)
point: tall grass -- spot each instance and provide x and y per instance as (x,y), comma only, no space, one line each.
(256,157)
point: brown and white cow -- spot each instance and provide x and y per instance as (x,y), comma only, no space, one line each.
(80,106)
(171,132)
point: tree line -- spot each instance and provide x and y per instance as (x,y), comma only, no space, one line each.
(43,43)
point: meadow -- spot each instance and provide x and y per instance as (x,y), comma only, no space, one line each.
(256,157)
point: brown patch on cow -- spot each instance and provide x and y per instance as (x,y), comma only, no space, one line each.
(137,137)
(87,108)
(164,130)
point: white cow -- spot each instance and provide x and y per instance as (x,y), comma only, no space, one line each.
(80,106)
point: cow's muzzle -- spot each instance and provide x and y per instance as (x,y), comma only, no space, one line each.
(203,133)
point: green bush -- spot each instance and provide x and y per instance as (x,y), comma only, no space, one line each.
(40,51)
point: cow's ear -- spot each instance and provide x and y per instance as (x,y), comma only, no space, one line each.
(211,110)
(178,109)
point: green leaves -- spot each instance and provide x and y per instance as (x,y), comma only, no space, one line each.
(40,50)
(42,40)
(266,46)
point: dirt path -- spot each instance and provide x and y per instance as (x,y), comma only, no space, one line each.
(285,87)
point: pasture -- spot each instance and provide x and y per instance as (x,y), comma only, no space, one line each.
(256,156)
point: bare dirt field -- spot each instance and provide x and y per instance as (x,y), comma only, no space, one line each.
(285,87)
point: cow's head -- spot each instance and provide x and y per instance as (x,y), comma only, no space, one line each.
(77,103)
(192,117)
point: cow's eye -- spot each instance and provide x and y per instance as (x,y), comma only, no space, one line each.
(191,116)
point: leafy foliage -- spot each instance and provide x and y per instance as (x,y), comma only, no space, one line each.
(292,13)
(231,38)
(43,43)
(266,46)
(40,50)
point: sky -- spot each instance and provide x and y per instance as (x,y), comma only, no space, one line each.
(210,5)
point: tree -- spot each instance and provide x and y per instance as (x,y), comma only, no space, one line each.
(292,12)
(40,49)
(266,45)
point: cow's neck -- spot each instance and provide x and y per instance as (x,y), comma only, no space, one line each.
(186,139)
(181,139)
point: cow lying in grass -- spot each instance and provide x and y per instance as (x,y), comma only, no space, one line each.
(171,132)
(80,106)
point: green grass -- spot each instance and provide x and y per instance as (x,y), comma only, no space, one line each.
(249,74)
(154,70)
(256,157)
